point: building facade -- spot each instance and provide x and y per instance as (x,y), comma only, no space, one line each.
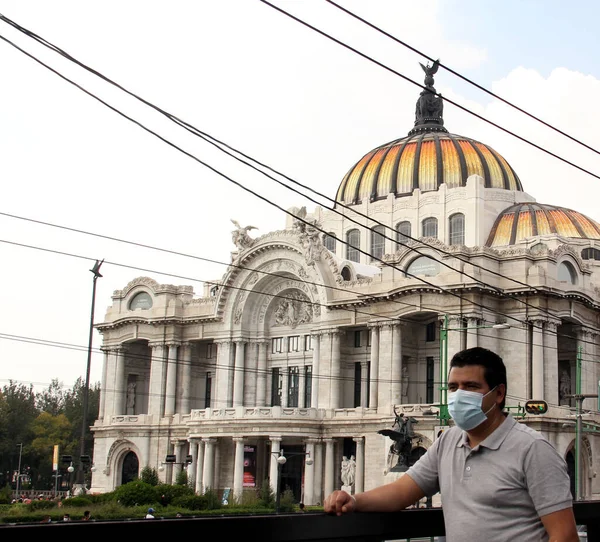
(318,334)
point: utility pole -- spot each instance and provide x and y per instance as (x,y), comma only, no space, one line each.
(19,471)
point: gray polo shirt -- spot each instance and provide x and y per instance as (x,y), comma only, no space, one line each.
(498,490)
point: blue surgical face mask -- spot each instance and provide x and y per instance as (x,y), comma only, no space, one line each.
(465,408)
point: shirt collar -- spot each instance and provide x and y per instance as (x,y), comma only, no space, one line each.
(495,439)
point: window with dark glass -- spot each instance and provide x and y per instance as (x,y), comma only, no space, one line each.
(430,227)
(207,394)
(276,386)
(293,386)
(567,273)
(457,229)
(357,386)
(211,350)
(357,336)
(308,342)
(142,301)
(329,240)
(590,254)
(294,343)
(430,332)
(346,274)
(403,232)
(307,386)
(276,345)
(429,388)
(377,242)
(353,246)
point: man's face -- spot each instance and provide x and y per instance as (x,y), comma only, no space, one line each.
(471,378)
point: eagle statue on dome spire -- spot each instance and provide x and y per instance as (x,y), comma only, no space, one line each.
(430,71)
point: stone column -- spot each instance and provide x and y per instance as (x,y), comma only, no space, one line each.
(589,385)
(364,384)
(273,471)
(186,378)
(261,375)
(359,481)
(238,468)
(537,360)
(309,474)
(329,467)
(238,375)
(318,483)
(208,474)
(314,392)
(472,338)
(396,387)
(551,362)
(374,376)
(301,387)
(384,399)
(120,383)
(250,373)
(193,466)
(171,384)
(336,369)
(103,385)
(199,487)
(179,450)
(157,380)
(222,374)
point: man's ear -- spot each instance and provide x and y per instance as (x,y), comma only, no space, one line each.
(501,393)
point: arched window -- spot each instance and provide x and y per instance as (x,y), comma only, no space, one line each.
(353,240)
(143,301)
(403,231)
(377,243)
(590,254)
(456,225)
(567,273)
(346,273)
(423,265)
(329,240)
(430,227)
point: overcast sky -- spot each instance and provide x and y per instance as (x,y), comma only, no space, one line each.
(267,85)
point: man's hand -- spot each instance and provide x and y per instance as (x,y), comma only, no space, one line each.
(339,502)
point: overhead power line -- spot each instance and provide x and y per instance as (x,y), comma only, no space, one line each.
(456,104)
(464,78)
(204,136)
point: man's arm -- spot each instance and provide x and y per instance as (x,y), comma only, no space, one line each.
(386,498)
(560,526)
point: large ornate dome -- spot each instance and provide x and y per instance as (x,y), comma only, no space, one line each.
(424,161)
(524,220)
(426,158)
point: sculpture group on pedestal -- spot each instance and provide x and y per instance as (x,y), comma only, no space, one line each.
(348,473)
(402,434)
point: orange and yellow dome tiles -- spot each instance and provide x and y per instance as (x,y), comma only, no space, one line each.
(424,161)
(524,220)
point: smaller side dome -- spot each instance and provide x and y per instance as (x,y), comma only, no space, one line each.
(525,220)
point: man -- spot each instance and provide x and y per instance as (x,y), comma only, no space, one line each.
(150,514)
(499,480)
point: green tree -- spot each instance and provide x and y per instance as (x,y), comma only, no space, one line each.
(149,476)
(17,411)
(74,412)
(52,399)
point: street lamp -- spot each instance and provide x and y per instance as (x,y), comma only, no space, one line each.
(444,414)
(80,477)
(281,461)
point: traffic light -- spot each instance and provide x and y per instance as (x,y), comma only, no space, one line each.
(536,407)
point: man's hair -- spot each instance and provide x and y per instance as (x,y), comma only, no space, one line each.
(494,370)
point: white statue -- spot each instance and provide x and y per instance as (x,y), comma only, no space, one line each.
(564,387)
(345,473)
(404,381)
(351,470)
(240,236)
(131,397)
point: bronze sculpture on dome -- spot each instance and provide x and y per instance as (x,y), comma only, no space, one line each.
(430,105)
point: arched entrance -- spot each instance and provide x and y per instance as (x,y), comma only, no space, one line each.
(570,459)
(130,469)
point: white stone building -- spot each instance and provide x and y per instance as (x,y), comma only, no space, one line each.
(310,341)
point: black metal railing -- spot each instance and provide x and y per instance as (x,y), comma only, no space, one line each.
(296,527)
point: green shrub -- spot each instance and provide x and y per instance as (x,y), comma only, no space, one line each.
(78,502)
(136,493)
(208,501)
(287,503)
(41,505)
(266,496)
(6,495)
(168,493)
(150,476)
(182,478)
